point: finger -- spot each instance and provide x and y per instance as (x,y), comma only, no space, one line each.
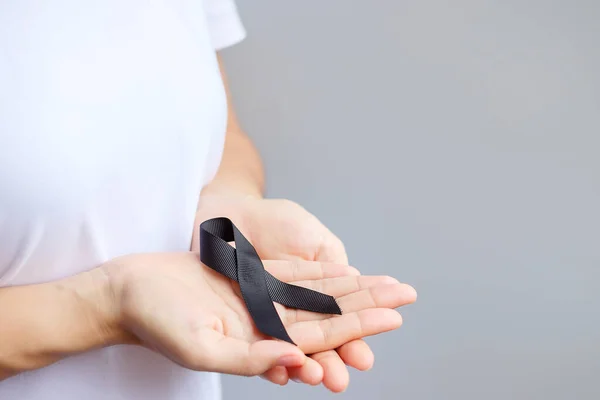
(310,373)
(357,354)
(299,270)
(343,285)
(327,334)
(277,375)
(336,377)
(237,357)
(380,296)
(332,250)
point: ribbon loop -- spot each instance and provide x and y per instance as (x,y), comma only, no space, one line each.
(259,288)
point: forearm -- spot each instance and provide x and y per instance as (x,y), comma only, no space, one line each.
(241,170)
(40,324)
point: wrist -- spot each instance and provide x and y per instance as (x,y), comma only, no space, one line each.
(42,323)
(95,299)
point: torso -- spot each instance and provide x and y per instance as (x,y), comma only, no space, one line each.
(112,118)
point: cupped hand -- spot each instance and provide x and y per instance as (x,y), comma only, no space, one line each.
(175,305)
(281,229)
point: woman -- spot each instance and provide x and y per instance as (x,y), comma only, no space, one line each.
(116,140)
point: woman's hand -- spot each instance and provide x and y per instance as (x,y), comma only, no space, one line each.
(173,304)
(283,230)
(279,229)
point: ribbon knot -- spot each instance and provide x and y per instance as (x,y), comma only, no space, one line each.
(259,288)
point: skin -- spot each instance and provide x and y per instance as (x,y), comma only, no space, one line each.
(237,192)
(303,238)
(172,304)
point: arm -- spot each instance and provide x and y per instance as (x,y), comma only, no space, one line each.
(241,171)
(40,324)
(237,192)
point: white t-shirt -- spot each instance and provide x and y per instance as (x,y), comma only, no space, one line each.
(112,118)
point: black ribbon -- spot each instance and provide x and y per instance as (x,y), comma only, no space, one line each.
(259,288)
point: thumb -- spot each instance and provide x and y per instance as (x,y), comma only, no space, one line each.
(238,357)
(332,250)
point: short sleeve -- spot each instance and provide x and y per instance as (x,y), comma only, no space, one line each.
(224,23)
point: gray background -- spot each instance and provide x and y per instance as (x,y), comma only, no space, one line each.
(454,145)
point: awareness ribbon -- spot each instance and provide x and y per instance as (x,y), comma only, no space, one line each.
(259,288)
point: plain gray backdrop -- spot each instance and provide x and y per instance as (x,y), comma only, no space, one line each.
(454,145)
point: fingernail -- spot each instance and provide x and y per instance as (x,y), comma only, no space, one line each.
(296,380)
